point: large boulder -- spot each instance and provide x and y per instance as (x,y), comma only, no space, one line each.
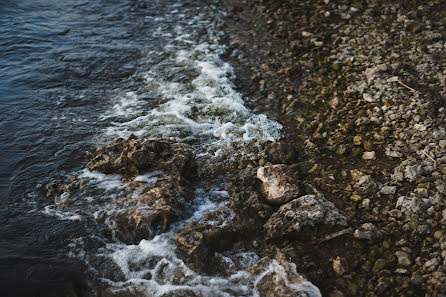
(133,156)
(278,184)
(304,212)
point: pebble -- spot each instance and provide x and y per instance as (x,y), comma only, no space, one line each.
(369,155)
(403,258)
(388,190)
(367,231)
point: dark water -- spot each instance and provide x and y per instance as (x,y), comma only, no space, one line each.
(61,62)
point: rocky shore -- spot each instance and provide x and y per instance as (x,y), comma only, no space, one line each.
(352,198)
(360,88)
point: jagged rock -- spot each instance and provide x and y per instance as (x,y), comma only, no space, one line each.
(411,206)
(278,184)
(366,185)
(367,231)
(388,190)
(132,156)
(413,172)
(305,211)
(213,232)
(146,208)
(221,228)
(278,277)
(280,151)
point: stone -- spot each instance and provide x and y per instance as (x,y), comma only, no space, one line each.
(357,140)
(366,185)
(132,156)
(403,258)
(367,231)
(304,212)
(338,268)
(368,98)
(369,155)
(355,198)
(411,173)
(278,184)
(388,190)
(278,277)
(356,174)
(393,154)
(411,206)
(146,208)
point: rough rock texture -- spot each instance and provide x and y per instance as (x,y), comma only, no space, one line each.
(132,156)
(278,184)
(305,211)
(142,207)
(148,209)
(278,277)
(344,78)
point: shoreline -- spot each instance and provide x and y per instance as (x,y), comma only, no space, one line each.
(360,91)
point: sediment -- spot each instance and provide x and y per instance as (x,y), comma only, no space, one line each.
(360,88)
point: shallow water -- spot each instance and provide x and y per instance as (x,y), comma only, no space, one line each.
(77,74)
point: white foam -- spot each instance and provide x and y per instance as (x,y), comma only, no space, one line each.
(206,110)
(150,177)
(107,182)
(203,108)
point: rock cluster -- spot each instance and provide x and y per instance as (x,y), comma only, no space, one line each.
(133,156)
(362,86)
(145,206)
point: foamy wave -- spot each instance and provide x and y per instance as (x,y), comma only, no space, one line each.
(201,107)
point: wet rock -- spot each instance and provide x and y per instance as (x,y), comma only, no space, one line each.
(278,184)
(144,208)
(216,231)
(278,277)
(148,210)
(281,151)
(304,212)
(132,156)
(367,231)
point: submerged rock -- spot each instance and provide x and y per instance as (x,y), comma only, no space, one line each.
(305,211)
(215,231)
(278,277)
(278,184)
(149,208)
(132,156)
